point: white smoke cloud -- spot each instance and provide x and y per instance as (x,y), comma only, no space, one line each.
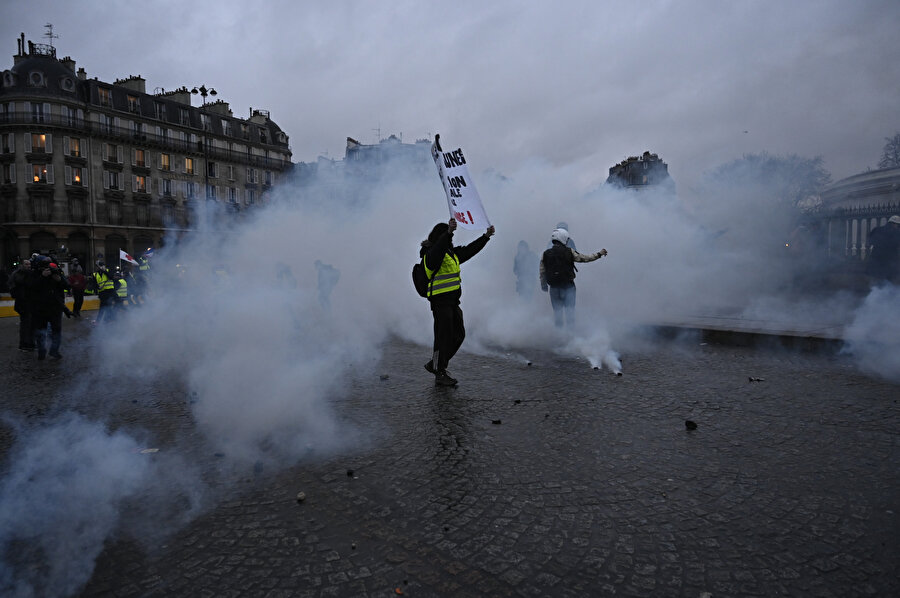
(64,495)
(264,362)
(873,337)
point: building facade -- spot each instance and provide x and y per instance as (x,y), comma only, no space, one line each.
(89,167)
(644,172)
(854,206)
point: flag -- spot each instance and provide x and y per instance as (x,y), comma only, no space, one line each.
(462,197)
(127,258)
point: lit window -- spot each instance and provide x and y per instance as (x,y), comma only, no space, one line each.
(104,97)
(38,143)
(189,165)
(133,104)
(39,173)
(140,158)
(165,162)
(77,176)
(140,184)
(75,147)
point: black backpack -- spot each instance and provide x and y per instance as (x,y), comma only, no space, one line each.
(559,267)
(420,279)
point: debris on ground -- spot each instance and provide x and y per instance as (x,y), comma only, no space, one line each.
(752,379)
(149,450)
(496,422)
(690,425)
(349,473)
(384,376)
(301,496)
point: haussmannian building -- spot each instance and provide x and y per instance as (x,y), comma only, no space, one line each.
(93,167)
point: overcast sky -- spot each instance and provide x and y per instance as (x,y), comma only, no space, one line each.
(581,83)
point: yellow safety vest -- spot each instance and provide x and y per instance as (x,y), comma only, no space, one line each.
(447,278)
(145,265)
(104,282)
(123,289)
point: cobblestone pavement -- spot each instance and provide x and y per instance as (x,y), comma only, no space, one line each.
(545,480)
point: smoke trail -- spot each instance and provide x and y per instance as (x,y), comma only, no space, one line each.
(873,337)
(60,500)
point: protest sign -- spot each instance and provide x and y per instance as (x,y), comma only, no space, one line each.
(462,197)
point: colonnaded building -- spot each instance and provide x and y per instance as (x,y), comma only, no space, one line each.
(89,167)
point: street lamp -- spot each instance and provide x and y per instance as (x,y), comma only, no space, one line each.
(203,91)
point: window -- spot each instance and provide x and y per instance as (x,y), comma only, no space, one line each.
(226,127)
(189,166)
(210,192)
(165,187)
(8,143)
(42,173)
(139,184)
(160,110)
(251,175)
(72,119)
(262,136)
(165,162)
(105,99)
(230,172)
(9,173)
(75,176)
(113,153)
(190,190)
(139,158)
(137,130)
(6,112)
(111,179)
(268,179)
(40,113)
(73,146)
(134,105)
(251,197)
(107,123)
(38,143)
(212,169)
(204,122)
(168,215)
(184,116)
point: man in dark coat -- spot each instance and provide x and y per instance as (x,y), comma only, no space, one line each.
(884,261)
(49,305)
(441,260)
(21,283)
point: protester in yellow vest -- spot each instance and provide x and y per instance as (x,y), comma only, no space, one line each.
(103,284)
(441,260)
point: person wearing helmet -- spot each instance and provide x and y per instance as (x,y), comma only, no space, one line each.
(884,256)
(570,242)
(557,272)
(442,260)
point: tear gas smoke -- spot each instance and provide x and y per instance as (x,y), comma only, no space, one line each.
(65,492)
(240,317)
(873,337)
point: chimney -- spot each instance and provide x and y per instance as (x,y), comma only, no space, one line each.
(82,74)
(68,63)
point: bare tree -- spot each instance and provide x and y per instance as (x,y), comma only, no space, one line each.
(890,155)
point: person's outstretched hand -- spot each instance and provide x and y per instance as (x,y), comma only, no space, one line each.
(490,231)
(452,224)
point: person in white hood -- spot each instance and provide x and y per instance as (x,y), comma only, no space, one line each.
(557,271)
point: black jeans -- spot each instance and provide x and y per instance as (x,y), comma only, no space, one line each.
(449,333)
(40,322)
(78,300)
(26,330)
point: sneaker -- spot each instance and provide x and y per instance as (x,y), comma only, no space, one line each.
(429,367)
(444,379)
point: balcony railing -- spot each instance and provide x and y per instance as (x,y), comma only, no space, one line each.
(127,135)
